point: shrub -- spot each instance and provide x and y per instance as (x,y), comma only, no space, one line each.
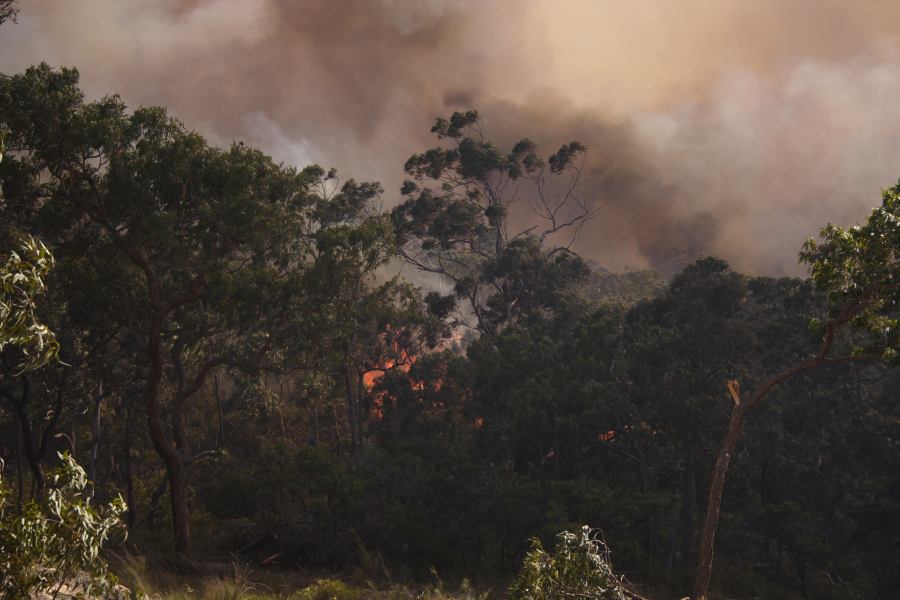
(329,589)
(58,540)
(21,281)
(579,567)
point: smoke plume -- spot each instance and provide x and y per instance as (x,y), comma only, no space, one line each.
(727,127)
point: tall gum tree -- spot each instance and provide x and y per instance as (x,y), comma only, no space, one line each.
(205,253)
(858,271)
(454,222)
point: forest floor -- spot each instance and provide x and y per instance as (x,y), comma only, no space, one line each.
(236,581)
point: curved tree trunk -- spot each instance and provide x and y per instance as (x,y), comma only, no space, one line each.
(172,458)
(735,423)
(131,515)
(716,488)
(95,439)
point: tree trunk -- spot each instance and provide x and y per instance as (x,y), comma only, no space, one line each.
(32,457)
(131,515)
(169,453)
(220,435)
(20,479)
(716,488)
(708,533)
(180,513)
(95,440)
(32,449)
(171,456)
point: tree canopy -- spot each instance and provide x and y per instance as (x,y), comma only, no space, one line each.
(454,222)
(233,335)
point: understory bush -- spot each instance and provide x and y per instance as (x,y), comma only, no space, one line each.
(578,567)
(57,540)
(330,589)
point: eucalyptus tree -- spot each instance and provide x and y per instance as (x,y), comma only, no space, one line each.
(455,221)
(368,328)
(204,254)
(858,271)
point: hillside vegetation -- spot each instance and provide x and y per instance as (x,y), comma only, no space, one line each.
(220,342)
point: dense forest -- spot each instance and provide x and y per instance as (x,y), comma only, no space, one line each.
(229,347)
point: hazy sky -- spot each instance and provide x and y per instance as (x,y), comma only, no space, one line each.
(728,127)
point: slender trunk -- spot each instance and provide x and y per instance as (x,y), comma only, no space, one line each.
(220,438)
(178,485)
(337,443)
(131,516)
(28,443)
(20,490)
(95,440)
(281,413)
(170,455)
(717,486)
(670,553)
(315,412)
(34,461)
(180,512)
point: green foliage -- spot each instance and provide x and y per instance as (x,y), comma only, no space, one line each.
(21,281)
(339,428)
(454,221)
(329,589)
(206,262)
(858,270)
(58,539)
(625,289)
(578,567)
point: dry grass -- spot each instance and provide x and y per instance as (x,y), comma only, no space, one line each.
(152,581)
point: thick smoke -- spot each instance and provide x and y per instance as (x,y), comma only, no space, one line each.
(729,127)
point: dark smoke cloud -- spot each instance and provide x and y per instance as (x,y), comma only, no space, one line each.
(729,127)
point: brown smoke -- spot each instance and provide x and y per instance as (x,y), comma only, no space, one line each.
(729,127)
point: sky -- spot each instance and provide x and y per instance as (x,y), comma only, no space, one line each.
(734,128)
